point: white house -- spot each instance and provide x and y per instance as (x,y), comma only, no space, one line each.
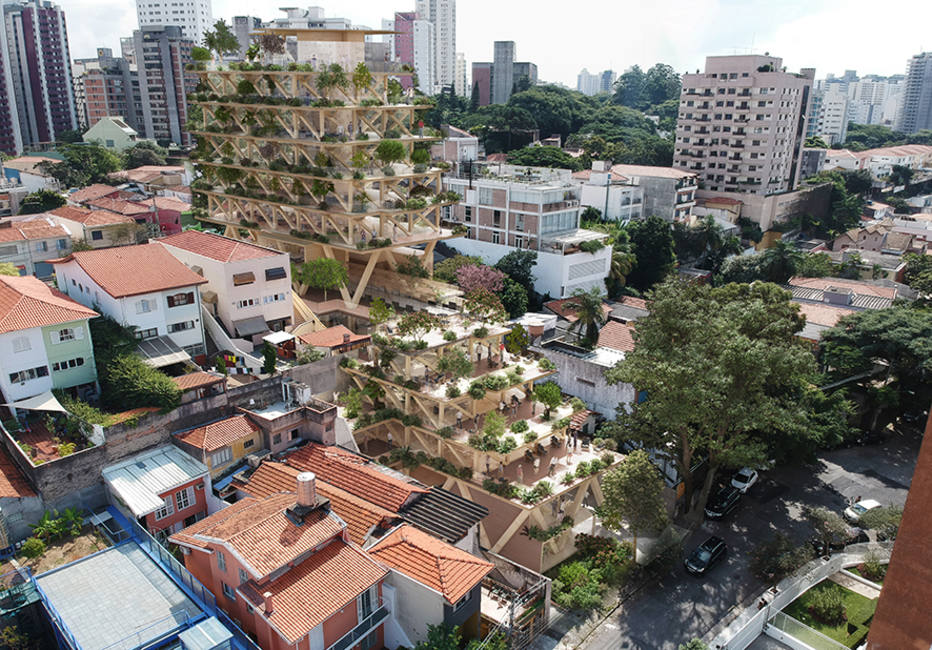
(45,341)
(143,287)
(112,133)
(250,285)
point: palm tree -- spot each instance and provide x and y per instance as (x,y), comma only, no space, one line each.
(589,314)
(622,263)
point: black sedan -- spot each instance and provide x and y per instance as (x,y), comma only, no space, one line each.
(706,556)
(724,501)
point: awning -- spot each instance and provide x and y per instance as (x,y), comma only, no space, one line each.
(277,338)
(44,402)
(250,326)
(162,351)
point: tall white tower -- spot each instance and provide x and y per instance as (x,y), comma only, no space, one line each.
(442,13)
(194,17)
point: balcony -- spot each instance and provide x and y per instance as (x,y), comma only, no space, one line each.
(359,632)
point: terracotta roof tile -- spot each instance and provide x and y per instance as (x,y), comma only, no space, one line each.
(90,217)
(332,337)
(27,302)
(11,234)
(120,206)
(154,269)
(168,203)
(565,308)
(219,434)
(92,193)
(310,593)
(216,247)
(13,483)
(617,335)
(826,315)
(42,228)
(261,534)
(861,288)
(359,514)
(579,418)
(194,380)
(432,562)
(354,474)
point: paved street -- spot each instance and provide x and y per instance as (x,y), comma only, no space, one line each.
(681,607)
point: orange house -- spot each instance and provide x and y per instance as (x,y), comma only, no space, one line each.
(285,569)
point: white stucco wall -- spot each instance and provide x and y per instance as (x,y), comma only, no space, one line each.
(12,362)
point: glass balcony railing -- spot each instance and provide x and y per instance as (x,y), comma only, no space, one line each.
(357,633)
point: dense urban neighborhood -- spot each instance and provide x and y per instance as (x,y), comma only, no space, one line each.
(318,336)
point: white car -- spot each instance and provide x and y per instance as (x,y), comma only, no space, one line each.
(744,479)
(855,512)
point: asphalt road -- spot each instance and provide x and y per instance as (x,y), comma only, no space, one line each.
(680,606)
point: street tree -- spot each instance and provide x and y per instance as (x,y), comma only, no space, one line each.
(720,365)
(634,496)
(828,524)
(321,273)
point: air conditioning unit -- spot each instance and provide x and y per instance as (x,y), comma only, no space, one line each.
(255,458)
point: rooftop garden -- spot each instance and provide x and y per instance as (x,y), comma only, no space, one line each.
(835,611)
(59,538)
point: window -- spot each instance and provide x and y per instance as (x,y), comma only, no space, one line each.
(275,297)
(462,602)
(180,327)
(519,222)
(243,577)
(165,510)
(248,302)
(276,439)
(21,344)
(70,363)
(42,246)
(496,237)
(150,333)
(248,443)
(278,273)
(62,244)
(97,235)
(66,334)
(221,457)
(240,279)
(468,212)
(183,498)
(27,375)
(221,561)
(485,196)
(228,591)
(181,299)
(145,306)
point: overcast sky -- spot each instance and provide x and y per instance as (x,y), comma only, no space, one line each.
(564,37)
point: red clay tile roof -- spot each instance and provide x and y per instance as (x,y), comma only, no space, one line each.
(310,593)
(153,269)
(631,301)
(360,515)
(901,620)
(13,484)
(216,247)
(261,534)
(92,193)
(332,337)
(29,164)
(121,206)
(90,217)
(354,474)
(27,302)
(41,228)
(617,335)
(566,308)
(168,203)
(430,561)
(10,234)
(198,379)
(821,314)
(579,419)
(219,434)
(146,173)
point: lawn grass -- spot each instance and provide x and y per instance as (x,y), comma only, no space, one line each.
(859,611)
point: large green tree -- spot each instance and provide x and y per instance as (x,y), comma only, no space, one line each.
(83,164)
(321,273)
(652,245)
(221,40)
(633,494)
(41,201)
(544,157)
(144,153)
(719,365)
(918,273)
(519,266)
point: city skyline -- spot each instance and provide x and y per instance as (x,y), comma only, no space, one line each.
(683,36)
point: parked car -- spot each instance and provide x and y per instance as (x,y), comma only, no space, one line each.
(854,513)
(853,535)
(724,501)
(744,479)
(705,556)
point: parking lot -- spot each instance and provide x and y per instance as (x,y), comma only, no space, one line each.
(682,606)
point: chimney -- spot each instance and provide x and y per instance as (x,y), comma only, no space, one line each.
(267,600)
(307,490)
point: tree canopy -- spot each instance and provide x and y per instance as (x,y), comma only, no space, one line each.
(41,201)
(144,153)
(652,245)
(83,164)
(544,157)
(634,496)
(641,90)
(321,273)
(719,365)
